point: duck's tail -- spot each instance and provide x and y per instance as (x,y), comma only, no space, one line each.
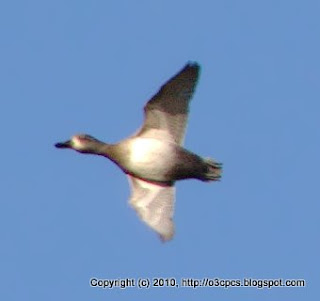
(214,170)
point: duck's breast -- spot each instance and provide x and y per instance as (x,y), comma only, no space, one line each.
(151,158)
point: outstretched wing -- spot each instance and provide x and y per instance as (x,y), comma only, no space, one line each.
(154,205)
(166,114)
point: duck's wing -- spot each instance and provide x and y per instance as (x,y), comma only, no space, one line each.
(166,114)
(154,205)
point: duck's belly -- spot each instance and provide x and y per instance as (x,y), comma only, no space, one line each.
(152,159)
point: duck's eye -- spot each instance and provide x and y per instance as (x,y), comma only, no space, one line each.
(83,137)
(88,137)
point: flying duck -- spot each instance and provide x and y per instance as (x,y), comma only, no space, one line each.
(154,158)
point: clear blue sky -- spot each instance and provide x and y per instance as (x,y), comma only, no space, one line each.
(89,66)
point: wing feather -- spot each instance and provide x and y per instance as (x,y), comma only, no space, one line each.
(154,204)
(166,114)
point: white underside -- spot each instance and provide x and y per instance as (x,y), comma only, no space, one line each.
(151,158)
(149,150)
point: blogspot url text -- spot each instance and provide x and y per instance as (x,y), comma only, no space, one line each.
(123,283)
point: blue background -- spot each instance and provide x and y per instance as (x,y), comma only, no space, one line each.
(68,67)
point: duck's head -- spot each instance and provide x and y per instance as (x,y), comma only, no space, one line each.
(82,143)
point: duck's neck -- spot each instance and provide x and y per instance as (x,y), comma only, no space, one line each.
(102,149)
(105,150)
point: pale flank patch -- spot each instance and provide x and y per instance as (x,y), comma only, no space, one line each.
(144,150)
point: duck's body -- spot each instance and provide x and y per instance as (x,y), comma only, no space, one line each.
(155,160)
(154,157)
(150,160)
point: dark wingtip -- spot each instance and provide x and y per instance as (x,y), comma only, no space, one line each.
(192,68)
(192,64)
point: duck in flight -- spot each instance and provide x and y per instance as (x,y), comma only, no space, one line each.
(154,158)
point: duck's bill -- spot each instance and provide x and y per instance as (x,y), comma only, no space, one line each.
(66,144)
